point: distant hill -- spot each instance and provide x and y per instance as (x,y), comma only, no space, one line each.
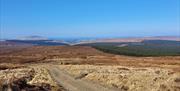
(32,38)
(135,39)
(12,44)
(38,42)
(144,48)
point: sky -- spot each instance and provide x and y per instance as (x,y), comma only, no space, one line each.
(89,18)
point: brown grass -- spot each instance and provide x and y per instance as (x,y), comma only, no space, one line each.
(82,55)
(4,66)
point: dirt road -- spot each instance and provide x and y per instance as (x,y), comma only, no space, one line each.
(71,84)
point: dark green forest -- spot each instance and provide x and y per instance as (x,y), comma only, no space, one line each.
(145,48)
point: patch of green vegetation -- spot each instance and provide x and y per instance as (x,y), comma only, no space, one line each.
(146,48)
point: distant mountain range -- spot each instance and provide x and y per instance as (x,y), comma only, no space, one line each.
(38,40)
(135,39)
(32,40)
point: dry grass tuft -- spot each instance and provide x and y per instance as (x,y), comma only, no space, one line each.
(127,78)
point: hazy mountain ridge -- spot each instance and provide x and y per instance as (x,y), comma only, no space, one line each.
(135,39)
(38,40)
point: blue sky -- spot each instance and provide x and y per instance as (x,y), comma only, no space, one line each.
(89,18)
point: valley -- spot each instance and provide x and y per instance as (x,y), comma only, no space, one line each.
(85,65)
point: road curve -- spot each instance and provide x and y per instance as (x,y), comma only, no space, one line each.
(71,84)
